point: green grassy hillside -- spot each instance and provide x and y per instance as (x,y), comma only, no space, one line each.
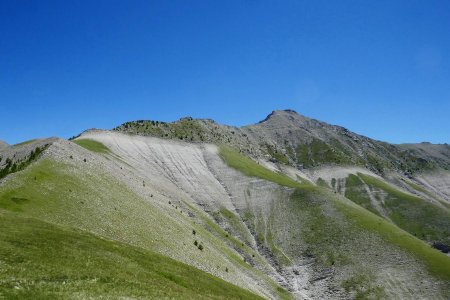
(250,168)
(40,260)
(74,230)
(317,213)
(421,218)
(77,195)
(355,191)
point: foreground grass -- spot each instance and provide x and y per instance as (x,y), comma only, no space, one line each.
(42,260)
(74,196)
(92,145)
(436,262)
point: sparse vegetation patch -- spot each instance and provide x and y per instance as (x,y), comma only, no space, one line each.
(92,145)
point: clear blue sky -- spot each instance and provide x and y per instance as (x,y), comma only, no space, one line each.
(380,68)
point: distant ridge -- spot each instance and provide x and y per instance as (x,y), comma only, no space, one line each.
(287,137)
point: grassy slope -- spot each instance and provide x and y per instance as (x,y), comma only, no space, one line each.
(355,191)
(418,217)
(319,152)
(437,263)
(43,260)
(251,168)
(428,193)
(92,145)
(73,195)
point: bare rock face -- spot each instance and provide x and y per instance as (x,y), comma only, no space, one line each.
(3,144)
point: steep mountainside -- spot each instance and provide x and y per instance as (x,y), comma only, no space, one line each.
(287,208)
(101,192)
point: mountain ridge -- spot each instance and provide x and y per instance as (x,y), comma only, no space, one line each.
(234,203)
(285,133)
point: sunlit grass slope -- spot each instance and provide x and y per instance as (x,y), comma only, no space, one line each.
(92,145)
(250,168)
(437,263)
(355,191)
(40,260)
(83,197)
(422,219)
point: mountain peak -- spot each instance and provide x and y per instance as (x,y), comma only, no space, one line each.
(281,113)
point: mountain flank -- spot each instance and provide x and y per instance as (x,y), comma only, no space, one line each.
(288,208)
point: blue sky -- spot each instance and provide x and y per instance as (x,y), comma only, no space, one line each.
(380,68)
